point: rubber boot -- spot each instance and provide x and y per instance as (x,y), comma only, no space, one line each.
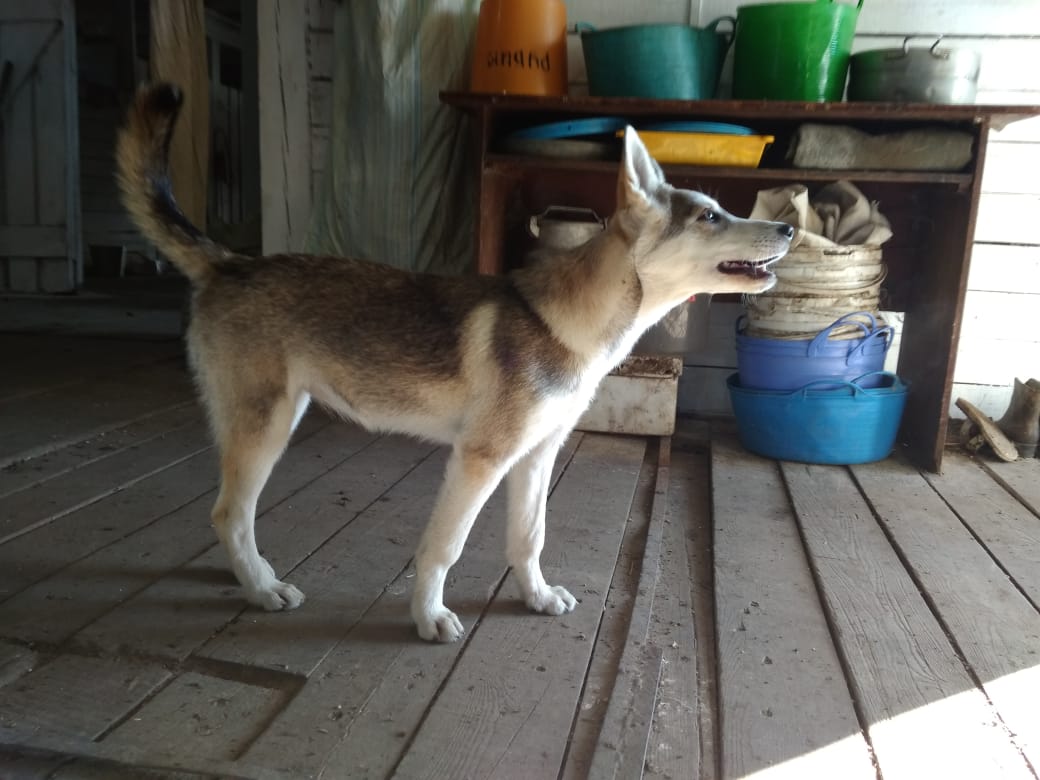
(1021,421)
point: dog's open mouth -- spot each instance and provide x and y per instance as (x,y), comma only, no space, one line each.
(756,269)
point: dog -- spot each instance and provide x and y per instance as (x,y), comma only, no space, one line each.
(498,367)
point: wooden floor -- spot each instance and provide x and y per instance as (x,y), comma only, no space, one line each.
(738,617)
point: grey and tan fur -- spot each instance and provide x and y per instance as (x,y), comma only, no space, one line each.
(500,368)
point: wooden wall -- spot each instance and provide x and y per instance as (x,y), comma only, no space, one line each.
(1000,339)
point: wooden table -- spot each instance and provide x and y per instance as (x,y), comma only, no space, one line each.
(932,213)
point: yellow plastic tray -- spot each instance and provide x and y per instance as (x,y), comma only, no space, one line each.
(742,151)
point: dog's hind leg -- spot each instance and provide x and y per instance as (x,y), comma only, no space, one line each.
(469,480)
(250,446)
(528,484)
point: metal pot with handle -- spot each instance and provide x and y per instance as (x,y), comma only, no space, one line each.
(916,75)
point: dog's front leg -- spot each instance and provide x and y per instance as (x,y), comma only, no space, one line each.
(469,481)
(528,485)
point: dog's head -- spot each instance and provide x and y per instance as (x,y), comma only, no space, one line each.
(683,243)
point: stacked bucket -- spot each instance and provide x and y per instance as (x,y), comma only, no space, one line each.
(810,383)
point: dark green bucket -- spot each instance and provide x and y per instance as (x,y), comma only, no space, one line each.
(793,51)
(655,60)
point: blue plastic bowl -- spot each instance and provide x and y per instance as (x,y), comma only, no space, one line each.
(842,426)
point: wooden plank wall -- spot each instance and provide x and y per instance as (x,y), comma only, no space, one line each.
(1004,286)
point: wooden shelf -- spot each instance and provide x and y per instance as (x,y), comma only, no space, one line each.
(996,116)
(512,162)
(935,212)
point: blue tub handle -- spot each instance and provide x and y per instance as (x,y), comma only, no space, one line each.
(821,338)
(858,391)
(886,333)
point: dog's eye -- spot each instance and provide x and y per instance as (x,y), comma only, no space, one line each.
(708,216)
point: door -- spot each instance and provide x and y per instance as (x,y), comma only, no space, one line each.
(40,239)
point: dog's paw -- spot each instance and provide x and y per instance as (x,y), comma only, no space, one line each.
(439,625)
(552,600)
(277,596)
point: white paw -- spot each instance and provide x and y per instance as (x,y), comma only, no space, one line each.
(439,624)
(552,600)
(277,596)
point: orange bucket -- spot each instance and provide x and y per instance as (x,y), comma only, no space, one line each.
(521,47)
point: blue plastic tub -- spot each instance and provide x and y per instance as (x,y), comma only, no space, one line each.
(780,364)
(846,425)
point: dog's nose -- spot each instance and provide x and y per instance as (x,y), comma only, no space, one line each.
(786,231)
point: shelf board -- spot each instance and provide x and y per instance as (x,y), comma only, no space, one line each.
(997,115)
(518,163)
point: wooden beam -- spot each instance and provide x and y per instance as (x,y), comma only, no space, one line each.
(285,143)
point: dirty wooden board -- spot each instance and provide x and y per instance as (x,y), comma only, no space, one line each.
(55,608)
(675,748)
(199,716)
(376,684)
(1021,478)
(51,500)
(1009,531)
(613,629)
(39,363)
(695,488)
(342,579)
(923,713)
(42,422)
(73,696)
(510,701)
(773,639)
(165,618)
(38,554)
(621,747)
(994,626)
(29,473)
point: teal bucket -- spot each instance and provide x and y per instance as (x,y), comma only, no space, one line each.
(662,61)
(793,51)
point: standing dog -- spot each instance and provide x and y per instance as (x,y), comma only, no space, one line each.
(500,368)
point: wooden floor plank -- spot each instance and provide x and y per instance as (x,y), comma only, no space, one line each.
(613,629)
(197,716)
(74,697)
(19,764)
(1021,478)
(54,609)
(38,554)
(164,618)
(30,473)
(924,714)
(517,718)
(1008,530)
(675,747)
(621,747)
(376,684)
(773,640)
(342,579)
(15,660)
(43,363)
(46,502)
(995,627)
(40,423)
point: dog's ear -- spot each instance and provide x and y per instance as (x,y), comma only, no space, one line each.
(640,175)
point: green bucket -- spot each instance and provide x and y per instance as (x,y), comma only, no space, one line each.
(655,60)
(793,51)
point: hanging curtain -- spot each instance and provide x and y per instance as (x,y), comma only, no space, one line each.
(399,184)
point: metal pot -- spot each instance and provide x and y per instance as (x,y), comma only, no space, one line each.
(915,75)
(564,227)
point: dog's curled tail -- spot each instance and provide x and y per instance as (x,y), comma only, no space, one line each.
(142,153)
